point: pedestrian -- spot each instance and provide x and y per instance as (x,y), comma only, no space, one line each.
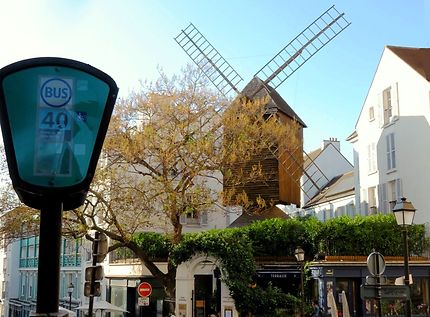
(316,310)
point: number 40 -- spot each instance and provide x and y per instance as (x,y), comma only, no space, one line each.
(57,120)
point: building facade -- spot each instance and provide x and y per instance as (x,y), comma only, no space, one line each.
(21,275)
(391,159)
(320,167)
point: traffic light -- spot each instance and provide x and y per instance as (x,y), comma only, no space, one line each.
(94,274)
(97,272)
(102,248)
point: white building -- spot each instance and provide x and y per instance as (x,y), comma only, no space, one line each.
(327,187)
(320,166)
(335,199)
(391,152)
(20,275)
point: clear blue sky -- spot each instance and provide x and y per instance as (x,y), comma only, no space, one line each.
(129,39)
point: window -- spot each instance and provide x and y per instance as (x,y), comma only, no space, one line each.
(340,211)
(391,194)
(327,214)
(194,218)
(386,102)
(371,158)
(394,191)
(371,194)
(24,283)
(23,254)
(371,114)
(391,152)
(36,246)
(69,247)
(192,215)
(30,286)
(350,209)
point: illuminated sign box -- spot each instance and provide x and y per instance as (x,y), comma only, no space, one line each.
(54,115)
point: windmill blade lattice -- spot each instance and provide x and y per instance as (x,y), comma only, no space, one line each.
(303,47)
(207,58)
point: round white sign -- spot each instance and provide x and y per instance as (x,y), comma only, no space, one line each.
(56,92)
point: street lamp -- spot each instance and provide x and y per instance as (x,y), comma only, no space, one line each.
(299,253)
(70,291)
(404,212)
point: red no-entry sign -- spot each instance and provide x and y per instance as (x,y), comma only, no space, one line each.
(144,289)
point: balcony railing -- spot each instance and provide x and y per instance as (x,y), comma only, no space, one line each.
(65,260)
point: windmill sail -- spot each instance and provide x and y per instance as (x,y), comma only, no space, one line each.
(207,58)
(318,34)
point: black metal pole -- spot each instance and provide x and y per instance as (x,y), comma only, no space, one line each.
(406,259)
(70,300)
(302,290)
(48,279)
(218,296)
(93,273)
(378,288)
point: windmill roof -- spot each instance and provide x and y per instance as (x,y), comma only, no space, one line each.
(252,90)
(248,218)
(417,58)
(339,187)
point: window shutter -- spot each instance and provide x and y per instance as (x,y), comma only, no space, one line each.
(399,188)
(385,208)
(374,153)
(395,99)
(380,110)
(368,158)
(393,151)
(381,199)
(183,219)
(204,217)
(387,141)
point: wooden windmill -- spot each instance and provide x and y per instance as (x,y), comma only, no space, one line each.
(285,164)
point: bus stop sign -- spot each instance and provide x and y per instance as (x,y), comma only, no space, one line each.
(54,114)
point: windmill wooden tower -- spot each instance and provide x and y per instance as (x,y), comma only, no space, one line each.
(285,164)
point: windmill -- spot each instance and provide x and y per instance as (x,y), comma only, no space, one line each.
(289,168)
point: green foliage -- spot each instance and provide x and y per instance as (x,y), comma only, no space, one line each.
(155,245)
(360,235)
(231,246)
(236,249)
(276,236)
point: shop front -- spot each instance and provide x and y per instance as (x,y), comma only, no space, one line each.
(122,292)
(347,274)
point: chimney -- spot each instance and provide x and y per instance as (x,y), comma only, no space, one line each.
(333,141)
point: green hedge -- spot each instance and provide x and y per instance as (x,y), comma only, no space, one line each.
(236,248)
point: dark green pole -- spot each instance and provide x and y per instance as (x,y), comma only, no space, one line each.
(48,279)
(406,260)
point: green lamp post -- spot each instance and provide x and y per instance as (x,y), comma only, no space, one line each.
(54,114)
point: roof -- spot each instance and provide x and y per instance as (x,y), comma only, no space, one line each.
(252,90)
(248,218)
(338,187)
(311,156)
(352,136)
(417,58)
